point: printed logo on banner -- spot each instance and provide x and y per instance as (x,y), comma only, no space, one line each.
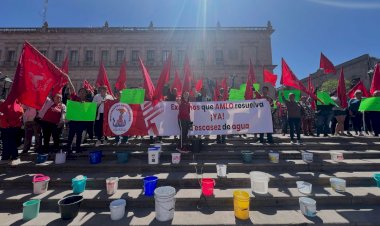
(120,118)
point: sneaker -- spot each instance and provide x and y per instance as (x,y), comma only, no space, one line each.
(349,134)
(292,142)
(14,162)
(98,143)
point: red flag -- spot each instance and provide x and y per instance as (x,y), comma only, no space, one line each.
(148,84)
(250,80)
(311,89)
(177,83)
(122,79)
(360,86)
(102,79)
(341,90)
(57,88)
(216,91)
(199,85)
(270,77)
(34,78)
(88,86)
(375,84)
(163,79)
(326,64)
(225,89)
(187,76)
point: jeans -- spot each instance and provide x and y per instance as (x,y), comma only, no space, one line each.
(75,128)
(294,124)
(50,129)
(374,117)
(184,126)
(32,128)
(307,125)
(98,128)
(9,139)
(284,125)
(357,121)
(323,122)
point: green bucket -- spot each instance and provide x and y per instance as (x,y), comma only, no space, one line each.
(247,156)
(30,209)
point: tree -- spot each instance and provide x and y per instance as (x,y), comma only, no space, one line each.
(331,85)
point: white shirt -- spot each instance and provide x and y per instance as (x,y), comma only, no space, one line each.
(99,100)
(29,114)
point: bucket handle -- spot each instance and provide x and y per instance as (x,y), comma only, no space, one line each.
(164,207)
(37,176)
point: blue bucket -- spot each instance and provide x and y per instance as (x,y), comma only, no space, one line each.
(41,158)
(150,184)
(122,156)
(376,176)
(95,157)
(79,184)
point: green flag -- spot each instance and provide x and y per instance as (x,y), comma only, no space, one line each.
(132,96)
(255,85)
(236,94)
(77,111)
(325,98)
(296,92)
(370,104)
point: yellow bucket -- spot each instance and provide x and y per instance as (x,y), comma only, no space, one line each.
(241,204)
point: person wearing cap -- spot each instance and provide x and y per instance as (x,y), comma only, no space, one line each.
(355,114)
(100,99)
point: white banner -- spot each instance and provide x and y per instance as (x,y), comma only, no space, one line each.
(216,118)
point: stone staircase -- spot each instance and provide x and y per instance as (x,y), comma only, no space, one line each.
(357,206)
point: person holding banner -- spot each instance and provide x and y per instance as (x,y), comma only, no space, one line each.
(294,117)
(99,99)
(356,115)
(184,122)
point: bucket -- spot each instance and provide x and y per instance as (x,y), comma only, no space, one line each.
(307,157)
(259,182)
(122,156)
(274,157)
(40,183)
(339,185)
(41,158)
(150,184)
(164,203)
(337,156)
(176,158)
(95,157)
(117,209)
(60,158)
(112,185)
(30,209)
(308,206)
(207,185)
(196,145)
(241,204)
(304,187)
(221,170)
(247,156)
(69,206)
(153,155)
(79,184)
(376,176)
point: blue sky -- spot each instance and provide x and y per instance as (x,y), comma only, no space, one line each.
(342,29)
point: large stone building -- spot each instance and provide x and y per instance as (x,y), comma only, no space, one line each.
(214,52)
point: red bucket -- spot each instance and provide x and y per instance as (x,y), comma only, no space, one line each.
(208,185)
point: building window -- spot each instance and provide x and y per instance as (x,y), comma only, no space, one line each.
(165,55)
(119,56)
(11,56)
(135,56)
(104,57)
(201,57)
(150,57)
(58,56)
(43,52)
(180,56)
(219,57)
(89,56)
(74,57)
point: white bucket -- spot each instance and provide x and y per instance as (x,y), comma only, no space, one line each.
(339,185)
(337,156)
(307,157)
(40,187)
(308,206)
(274,157)
(60,158)
(304,187)
(117,209)
(221,170)
(176,158)
(112,184)
(164,203)
(259,182)
(153,156)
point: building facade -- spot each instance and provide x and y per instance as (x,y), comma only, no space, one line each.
(214,52)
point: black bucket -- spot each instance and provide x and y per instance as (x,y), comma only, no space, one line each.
(69,206)
(196,145)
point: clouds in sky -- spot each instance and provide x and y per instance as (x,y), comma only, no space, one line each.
(350,4)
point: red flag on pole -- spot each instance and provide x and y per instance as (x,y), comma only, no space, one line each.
(122,79)
(310,89)
(327,65)
(375,84)
(199,85)
(34,78)
(341,90)
(87,86)
(270,77)
(163,79)
(102,79)
(216,91)
(63,81)
(187,76)
(148,84)
(177,83)
(360,86)
(225,89)
(250,80)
